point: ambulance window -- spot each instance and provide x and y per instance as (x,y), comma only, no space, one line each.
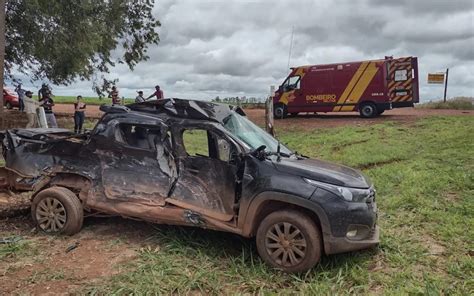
(292,82)
(401,75)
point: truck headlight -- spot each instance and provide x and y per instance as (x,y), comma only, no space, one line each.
(347,193)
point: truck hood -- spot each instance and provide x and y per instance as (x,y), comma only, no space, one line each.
(323,171)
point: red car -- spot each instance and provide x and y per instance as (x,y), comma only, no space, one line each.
(10,99)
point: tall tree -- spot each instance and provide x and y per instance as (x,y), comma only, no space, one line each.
(63,40)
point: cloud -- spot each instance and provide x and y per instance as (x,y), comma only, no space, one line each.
(232,47)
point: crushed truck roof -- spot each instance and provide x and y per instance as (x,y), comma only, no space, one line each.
(180,108)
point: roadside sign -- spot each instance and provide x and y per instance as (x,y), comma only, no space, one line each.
(436,78)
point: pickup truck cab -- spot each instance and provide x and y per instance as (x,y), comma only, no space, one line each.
(193,163)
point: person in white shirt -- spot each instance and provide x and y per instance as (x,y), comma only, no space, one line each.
(30,109)
(140,98)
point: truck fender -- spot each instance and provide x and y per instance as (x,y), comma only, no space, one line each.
(76,182)
(258,203)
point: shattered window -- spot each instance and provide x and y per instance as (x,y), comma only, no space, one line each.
(138,136)
(195,142)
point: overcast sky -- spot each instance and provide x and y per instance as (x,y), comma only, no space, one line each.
(240,48)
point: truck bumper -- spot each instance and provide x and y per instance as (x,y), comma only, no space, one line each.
(335,245)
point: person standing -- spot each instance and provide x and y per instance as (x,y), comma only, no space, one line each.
(21,96)
(158,94)
(79,115)
(114,94)
(30,109)
(43,91)
(47,103)
(140,98)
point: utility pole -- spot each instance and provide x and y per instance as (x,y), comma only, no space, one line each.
(2,60)
(446,84)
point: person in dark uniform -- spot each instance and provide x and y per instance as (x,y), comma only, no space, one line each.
(47,103)
(43,91)
(79,114)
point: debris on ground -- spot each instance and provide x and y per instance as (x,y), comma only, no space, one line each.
(11,239)
(72,247)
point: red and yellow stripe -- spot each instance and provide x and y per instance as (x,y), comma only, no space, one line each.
(400,64)
(357,86)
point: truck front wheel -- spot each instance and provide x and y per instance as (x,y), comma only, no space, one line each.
(368,110)
(289,240)
(57,210)
(279,111)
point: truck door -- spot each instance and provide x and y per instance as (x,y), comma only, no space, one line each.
(138,165)
(207,178)
(289,96)
(401,78)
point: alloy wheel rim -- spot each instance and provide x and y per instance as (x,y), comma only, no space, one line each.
(285,244)
(51,215)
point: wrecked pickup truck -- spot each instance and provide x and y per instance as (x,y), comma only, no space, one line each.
(193,163)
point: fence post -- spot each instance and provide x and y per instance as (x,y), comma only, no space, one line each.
(446,84)
(2,60)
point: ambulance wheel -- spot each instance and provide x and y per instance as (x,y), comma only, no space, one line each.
(280,111)
(368,110)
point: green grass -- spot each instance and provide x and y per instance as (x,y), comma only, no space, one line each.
(424,175)
(195,142)
(459,103)
(17,249)
(87,100)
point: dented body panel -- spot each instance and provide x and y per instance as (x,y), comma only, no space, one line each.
(135,163)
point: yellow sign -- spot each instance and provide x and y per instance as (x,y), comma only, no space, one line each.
(436,78)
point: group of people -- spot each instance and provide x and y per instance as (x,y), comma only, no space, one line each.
(158,94)
(29,105)
(114,95)
(45,99)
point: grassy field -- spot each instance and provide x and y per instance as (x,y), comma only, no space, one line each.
(87,100)
(458,103)
(424,175)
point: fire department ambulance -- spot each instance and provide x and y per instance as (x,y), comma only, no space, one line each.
(369,87)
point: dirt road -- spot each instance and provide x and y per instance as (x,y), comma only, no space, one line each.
(310,121)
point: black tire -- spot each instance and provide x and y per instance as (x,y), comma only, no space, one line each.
(279,111)
(8,105)
(299,232)
(368,110)
(59,207)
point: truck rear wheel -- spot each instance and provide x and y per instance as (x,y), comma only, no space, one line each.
(57,210)
(289,240)
(9,105)
(368,110)
(279,111)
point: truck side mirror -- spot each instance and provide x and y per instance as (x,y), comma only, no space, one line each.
(259,153)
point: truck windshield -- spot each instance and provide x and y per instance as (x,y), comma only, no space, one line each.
(251,134)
